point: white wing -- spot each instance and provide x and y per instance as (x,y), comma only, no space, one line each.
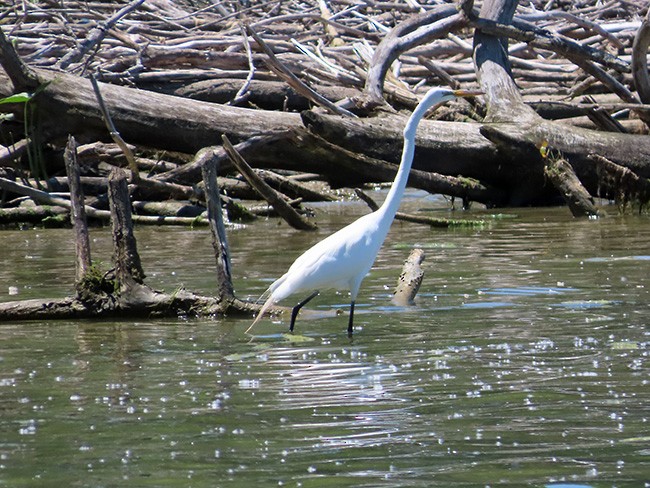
(335,262)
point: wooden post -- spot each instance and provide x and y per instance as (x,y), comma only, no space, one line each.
(218,229)
(77,212)
(126,259)
(410,280)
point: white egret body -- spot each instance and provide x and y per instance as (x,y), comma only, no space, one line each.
(343,259)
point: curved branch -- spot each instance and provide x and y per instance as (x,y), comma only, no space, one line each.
(22,77)
(417,30)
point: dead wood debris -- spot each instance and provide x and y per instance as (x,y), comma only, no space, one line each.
(583,62)
(325,49)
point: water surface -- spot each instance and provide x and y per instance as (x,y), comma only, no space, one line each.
(524,363)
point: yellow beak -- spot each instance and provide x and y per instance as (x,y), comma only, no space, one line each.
(467,93)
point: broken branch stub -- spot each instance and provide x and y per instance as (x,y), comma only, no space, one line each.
(410,280)
(128,269)
(77,213)
(561,175)
(218,229)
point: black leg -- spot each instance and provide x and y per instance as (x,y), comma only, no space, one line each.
(351,318)
(296,309)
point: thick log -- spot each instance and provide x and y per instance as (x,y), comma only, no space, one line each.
(445,150)
(31,214)
(67,105)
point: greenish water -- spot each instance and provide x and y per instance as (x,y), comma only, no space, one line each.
(524,363)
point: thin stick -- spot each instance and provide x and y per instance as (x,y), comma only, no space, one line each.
(241,93)
(293,218)
(284,73)
(115,135)
(97,35)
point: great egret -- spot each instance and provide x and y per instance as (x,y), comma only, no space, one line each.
(343,259)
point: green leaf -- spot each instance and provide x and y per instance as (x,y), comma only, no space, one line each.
(22,97)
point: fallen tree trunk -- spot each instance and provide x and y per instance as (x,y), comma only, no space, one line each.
(68,105)
(457,158)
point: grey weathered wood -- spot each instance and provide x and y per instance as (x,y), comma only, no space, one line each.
(67,105)
(409,280)
(503,100)
(218,230)
(418,29)
(128,268)
(78,212)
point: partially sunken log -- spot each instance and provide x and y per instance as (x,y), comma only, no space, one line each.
(410,280)
(577,198)
(122,291)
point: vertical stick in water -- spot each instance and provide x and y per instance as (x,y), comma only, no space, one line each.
(78,212)
(218,229)
(126,259)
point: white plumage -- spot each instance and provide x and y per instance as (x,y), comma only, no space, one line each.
(343,259)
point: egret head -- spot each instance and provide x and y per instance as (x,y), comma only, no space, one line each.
(438,95)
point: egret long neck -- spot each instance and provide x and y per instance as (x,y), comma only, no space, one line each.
(394,197)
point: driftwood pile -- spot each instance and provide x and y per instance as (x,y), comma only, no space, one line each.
(291,99)
(265,62)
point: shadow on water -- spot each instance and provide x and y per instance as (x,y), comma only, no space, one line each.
(524,363)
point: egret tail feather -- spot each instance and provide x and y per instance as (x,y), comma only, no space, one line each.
(267,304)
